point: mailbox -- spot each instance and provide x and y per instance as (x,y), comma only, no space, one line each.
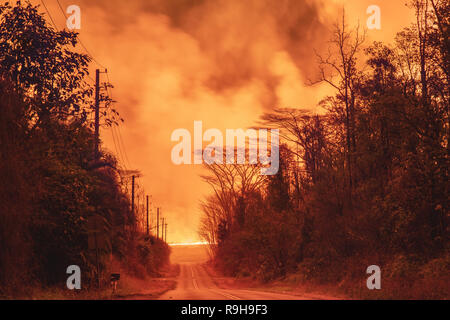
(115,276)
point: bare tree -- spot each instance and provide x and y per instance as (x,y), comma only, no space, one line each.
(341,63)
(232,184)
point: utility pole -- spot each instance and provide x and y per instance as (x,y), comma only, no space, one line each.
(96,257)
(165,233)
(162,229)
(97,114)
(132,195)
(157,223)
(147,217)
(96,158)
(96,154)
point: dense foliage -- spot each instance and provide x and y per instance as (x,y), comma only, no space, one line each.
(365,182)
(51,185)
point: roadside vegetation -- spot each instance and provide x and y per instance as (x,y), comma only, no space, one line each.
(363,183)
(51,184)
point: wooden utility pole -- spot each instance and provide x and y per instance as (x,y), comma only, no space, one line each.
(157,223)
(132,195)
(96,256)
(162,229)
(165,233)
(97,114)
(147,218)
(96,158)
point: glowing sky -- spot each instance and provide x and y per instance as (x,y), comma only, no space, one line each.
(223,62)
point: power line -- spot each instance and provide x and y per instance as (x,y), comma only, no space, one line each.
(89,54)
(117,136)
(92,79)
(108,87)
(123,144)
(115,144)
(118,147)
(79,40)
(48,12)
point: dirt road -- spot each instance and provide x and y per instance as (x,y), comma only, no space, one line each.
(194,283)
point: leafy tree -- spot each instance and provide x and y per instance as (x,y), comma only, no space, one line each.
(40,63)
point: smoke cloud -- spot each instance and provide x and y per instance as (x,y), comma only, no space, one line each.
(224,62)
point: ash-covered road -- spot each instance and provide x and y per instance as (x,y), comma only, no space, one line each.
(194,283)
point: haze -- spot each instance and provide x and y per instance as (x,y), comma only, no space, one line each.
(223,62)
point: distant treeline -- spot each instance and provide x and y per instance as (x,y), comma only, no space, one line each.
(365,182)
(51,185)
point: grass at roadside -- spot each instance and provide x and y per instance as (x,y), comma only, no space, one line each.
(406,286)
(143,289)
(286,286)
(129,287)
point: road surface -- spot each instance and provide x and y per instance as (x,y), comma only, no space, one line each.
(194,283)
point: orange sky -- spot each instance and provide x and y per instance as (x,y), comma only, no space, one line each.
(220,61)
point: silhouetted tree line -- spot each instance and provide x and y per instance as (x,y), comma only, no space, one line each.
(50,183)
(364,183)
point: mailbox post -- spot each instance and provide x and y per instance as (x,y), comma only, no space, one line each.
(114,278)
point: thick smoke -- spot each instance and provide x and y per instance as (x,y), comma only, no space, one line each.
(220,61)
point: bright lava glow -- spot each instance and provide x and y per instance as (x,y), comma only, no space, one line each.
(188,243)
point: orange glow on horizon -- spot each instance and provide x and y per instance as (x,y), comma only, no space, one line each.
(198,243)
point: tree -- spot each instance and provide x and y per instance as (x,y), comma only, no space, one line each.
(38,60)
(341,62)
